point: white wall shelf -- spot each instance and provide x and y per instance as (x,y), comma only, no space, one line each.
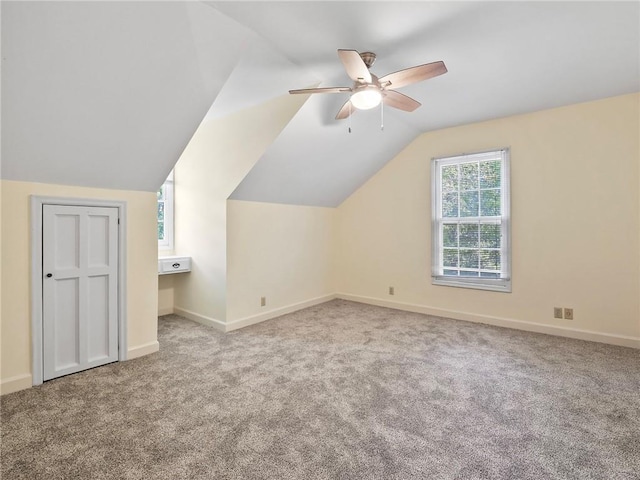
(173,264)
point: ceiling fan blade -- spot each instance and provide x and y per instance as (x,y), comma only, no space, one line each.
(355,66)
(413,75)
(346,110)
(321,90)
(400,101)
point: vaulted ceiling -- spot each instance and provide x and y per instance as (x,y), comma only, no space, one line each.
(108,94)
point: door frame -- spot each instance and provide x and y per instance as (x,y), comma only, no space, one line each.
(37,202)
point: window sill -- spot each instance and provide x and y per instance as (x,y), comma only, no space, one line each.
(503,286)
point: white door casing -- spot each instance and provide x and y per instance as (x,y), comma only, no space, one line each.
(79,258)
(87,289)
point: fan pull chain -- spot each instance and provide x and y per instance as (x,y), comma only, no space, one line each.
(349,117)
(381,116)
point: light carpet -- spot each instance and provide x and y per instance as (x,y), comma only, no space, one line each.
(337,391)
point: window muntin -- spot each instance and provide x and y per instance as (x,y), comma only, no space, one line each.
(470,228)
(165,214)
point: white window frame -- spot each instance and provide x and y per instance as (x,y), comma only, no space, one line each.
(502,284)
(167,242)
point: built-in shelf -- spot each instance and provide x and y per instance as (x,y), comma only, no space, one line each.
(173,264)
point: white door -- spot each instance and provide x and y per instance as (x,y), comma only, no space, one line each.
(79,288)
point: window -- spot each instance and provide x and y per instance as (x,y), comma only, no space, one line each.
(165,214)
(470,227)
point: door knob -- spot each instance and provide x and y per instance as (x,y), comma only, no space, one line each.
(49,275)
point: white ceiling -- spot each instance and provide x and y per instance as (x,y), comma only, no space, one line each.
(504,58)
(107,94)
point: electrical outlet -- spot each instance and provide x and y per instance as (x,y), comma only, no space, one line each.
(392,291)
(568,313)
(263,301)
(557,312)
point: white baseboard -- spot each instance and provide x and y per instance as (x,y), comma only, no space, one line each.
(14,384)
(201,319)
(165,311)
(261,317)
(612,339)
(142,350)
(22,382)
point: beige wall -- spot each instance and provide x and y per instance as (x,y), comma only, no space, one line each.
(220,154)
(281,252)
(575,221)
(142,287)
(165,294)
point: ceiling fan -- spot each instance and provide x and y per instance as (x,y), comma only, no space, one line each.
(368,90)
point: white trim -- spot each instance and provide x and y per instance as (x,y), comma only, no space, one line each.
(165,311)
(36,273)
(14,384)
(142,350)
(491,284)
(277,312)
(609,338)
(201,319)
(502,284)
(252,319)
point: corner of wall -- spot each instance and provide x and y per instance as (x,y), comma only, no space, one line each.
(215,161)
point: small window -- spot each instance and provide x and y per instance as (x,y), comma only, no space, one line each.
(165,214)
(470,221)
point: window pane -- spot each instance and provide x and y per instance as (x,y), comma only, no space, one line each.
(468,258)
(469,176)
(490,174)
(165,199)
(489,275)
(450,178)
(464,273)
(490,201)
(450,205)
(160,212)
(469,204)
(490,259)
(450,235)
(469,235)
(451,272)
(490,236)
(450,257)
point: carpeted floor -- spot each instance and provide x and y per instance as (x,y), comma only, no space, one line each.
(337,391)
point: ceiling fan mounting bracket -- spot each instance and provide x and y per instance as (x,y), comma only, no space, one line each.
(368,58)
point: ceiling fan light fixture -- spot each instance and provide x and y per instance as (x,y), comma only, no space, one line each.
(366,98)
(369,90)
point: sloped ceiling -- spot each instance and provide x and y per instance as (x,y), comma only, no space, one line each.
(108,94)
(321,164)
(504,58)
